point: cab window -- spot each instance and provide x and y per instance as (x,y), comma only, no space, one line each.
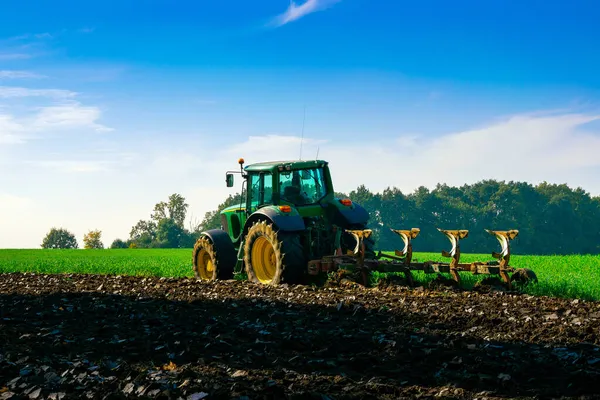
(301,187)
(261,190)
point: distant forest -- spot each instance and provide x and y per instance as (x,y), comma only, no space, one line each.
(551,219)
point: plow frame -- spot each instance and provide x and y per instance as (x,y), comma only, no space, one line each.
(402,262)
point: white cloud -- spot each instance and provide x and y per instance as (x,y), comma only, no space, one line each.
(19,75)
(521,148)
(10,91)
(68,115)
(58,119)
(270,145)
(295,12)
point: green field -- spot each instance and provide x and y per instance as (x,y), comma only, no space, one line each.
(561,276)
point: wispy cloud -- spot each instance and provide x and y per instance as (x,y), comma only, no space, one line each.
(39,36)
(25,46)
(10,91)
(19,75)
(50,120)
(14,56)
(295,12)
(86,30)
(69,115)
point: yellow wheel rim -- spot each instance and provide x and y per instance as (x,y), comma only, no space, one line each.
(264,262)
(205,265)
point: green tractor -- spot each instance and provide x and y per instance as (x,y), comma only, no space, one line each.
(291,226)
(289,216)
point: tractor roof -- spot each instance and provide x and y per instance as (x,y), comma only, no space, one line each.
(294,164)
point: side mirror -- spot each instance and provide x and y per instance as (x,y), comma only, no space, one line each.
(229,179)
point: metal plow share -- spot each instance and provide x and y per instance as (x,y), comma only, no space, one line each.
(402,260)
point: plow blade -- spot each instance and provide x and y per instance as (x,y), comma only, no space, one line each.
(407,237)
(402,262)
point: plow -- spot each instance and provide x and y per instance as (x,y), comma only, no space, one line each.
(290,226)
(401,262)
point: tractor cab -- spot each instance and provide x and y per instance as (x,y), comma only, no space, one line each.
(298,184)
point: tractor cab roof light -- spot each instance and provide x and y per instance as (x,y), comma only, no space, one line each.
(346,202)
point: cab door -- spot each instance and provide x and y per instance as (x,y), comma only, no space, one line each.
(260,190)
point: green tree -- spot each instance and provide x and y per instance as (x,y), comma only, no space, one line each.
(175,209)
(143,233)
(92,240)
(59,238)
(165,228)
(169,233)
(119,244)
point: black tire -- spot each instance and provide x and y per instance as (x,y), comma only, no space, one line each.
(283,259)
(214,246)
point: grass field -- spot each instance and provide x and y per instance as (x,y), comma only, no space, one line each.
(560,276)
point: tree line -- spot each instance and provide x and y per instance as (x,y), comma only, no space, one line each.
(164,229)
(551,219)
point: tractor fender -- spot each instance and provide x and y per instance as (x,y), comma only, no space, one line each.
(351,216)
(218,236)
(290,222)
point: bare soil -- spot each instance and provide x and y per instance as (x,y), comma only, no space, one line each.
(104,337)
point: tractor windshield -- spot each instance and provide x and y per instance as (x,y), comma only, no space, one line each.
(301,187)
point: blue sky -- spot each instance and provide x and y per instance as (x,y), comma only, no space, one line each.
(108,107)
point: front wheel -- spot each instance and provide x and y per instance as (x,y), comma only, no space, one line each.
(272,257)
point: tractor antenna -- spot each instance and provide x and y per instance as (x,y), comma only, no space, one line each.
(302,138)
(317,157)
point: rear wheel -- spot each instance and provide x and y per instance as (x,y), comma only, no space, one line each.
(272,257)
(214,256)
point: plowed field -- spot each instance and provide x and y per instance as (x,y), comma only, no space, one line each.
(78,336)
